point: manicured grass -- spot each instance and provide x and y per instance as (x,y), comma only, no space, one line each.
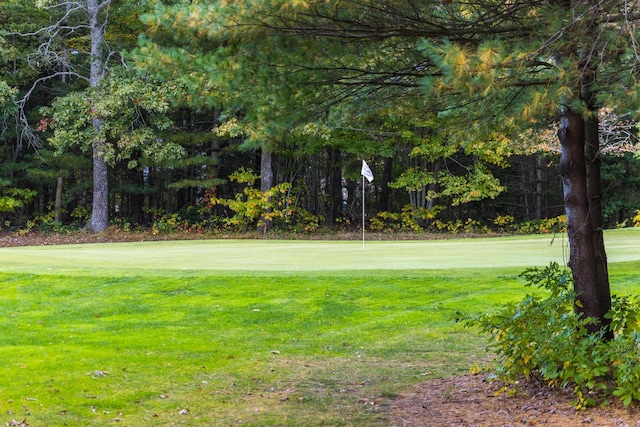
(122,344)
(170,257)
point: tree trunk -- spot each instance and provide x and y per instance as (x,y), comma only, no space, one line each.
(266,179)
(433,187)
(594,193)
(580,171)
(313,172)
(383,202)
(335,184)
(266,170)
(541,188)
(593,298)
(100,205)
(58,201)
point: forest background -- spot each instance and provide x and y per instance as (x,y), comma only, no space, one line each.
(187,139)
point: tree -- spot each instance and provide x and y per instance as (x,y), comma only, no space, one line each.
(494,66)
(74,20)
(73,45)
(130,108)
(556,67)
(100,203)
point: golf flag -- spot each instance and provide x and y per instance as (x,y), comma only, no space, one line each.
(366,172)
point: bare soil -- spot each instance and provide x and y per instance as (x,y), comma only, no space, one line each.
(472,401)
(460,401)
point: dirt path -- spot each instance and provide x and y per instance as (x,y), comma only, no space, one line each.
(471,401)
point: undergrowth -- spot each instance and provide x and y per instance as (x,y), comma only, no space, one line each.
(542,337)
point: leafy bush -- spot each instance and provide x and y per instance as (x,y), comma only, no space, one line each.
(47,223)
(12,201)
(459,226)
(545,339)
(405,221)
(254,208)
(505,223)
(168,224)
(543,226)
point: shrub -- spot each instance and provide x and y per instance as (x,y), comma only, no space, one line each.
(505,223)
(168,224)
(257,209)
(47,223)
(545,339)
(12,203)
(458,226)
(543,226)
(392,222)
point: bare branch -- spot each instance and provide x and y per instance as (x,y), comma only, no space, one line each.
(71,8)
(26,132)
(25,98)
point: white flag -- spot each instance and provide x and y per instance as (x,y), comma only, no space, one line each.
(366,172)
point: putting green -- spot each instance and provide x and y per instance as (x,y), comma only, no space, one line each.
(283,256)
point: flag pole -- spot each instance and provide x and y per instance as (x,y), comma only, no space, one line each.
(363,211)
(366,173)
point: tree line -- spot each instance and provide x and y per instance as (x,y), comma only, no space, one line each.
(123,113)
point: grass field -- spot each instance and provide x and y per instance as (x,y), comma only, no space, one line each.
(227,332)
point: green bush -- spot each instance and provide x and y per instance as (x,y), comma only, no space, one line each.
(392,222)
(543,226)
(46,223)
(542,337)
(168,224)
(257,209)
(408,220)
(12,202)
(505,223)
(458,226)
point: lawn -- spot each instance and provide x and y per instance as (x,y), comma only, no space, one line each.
(227,332)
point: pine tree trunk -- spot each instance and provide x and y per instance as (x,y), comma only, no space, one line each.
(540,187)
(593,298)
(594,193)
(266,170)
(580,170)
